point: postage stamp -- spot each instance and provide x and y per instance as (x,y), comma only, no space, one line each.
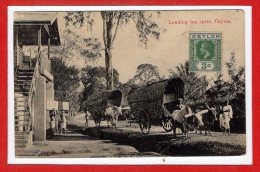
(205,51)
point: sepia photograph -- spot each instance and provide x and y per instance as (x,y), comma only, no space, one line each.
(128,83)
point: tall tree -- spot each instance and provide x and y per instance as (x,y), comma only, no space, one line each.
(72,48)
(74,45)
(195,86)
(94,79)
(219,90)
(112,20)
(231,88)
(145,73)
(66,82)
(236,77)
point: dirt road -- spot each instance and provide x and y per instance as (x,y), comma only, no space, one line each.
(239,139)
(163,143)
(75,145)
(127,141)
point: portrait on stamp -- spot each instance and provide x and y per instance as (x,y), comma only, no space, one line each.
(205,51)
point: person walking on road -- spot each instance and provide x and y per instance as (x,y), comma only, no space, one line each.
(63,122)
(87,114)
(52,114)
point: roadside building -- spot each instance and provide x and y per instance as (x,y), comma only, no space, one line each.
(33,78)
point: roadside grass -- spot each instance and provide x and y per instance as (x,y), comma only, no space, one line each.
(163,144)
(199,148)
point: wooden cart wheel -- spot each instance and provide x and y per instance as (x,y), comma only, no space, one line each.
(167,124)
(144,122)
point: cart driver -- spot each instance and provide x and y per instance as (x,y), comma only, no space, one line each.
(181,106)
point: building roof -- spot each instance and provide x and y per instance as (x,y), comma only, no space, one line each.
(29,23)
(34,18)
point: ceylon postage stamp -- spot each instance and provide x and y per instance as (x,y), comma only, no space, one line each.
(205,51)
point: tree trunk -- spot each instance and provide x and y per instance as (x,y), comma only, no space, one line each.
(109,69)
(107,35)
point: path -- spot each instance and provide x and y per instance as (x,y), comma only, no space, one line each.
(75,145)
(158,130)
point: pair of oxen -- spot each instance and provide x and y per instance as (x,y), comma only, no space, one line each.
(111,115)
(188,121)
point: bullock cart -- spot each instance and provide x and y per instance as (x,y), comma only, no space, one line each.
(99,101)
(149,103)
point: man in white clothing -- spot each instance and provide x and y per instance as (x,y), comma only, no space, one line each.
(225,118)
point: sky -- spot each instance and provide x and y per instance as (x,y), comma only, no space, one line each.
(173,46)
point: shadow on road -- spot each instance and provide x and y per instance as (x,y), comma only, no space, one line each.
(164,144)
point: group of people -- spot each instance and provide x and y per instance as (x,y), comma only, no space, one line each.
(225,113)
(58,120)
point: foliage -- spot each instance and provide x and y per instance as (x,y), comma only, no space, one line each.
(145,74)
(237,77)
(233,90)
(219,90)
(79,19)
(73,45)
(201,148)
(66,82)
(112,20)
(68,47)
(195,86)
(94,79)
(90,49)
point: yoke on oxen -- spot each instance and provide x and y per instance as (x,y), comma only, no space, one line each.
(99,102)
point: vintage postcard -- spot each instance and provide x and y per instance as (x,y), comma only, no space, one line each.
(153,85)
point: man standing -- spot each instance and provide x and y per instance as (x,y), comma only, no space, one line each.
(227,115)
(52,114)
(181,105)
(63,121)
(87,114)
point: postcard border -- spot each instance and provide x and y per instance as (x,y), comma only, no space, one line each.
(219,160)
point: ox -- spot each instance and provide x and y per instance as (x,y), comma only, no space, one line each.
(184,120)
(97,118)
(112,113)
(205,119)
